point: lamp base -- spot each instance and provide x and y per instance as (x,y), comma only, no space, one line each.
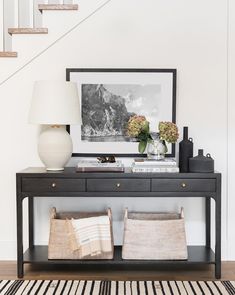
(55,148)
(54,169)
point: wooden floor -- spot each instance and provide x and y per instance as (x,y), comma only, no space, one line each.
(8,271)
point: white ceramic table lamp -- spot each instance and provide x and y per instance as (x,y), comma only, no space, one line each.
(55,103)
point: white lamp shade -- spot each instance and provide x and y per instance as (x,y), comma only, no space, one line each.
(55,103)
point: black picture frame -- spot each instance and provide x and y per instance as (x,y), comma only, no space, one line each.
(172,71)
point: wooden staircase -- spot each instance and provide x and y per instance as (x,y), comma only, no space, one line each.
(41,7)
(8,54)
(12,31)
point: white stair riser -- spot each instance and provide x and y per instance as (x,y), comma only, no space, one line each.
(59,22)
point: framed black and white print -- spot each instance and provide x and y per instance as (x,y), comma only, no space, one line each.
(109,97)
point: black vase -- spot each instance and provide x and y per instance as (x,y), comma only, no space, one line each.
(185,151)
(201,163)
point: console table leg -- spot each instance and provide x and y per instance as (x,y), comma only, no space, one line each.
(208,222)
(31,221)
(20,266)
(218,238)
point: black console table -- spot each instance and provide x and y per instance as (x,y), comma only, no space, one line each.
(36,182)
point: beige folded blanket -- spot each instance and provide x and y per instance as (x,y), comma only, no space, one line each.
(91,235)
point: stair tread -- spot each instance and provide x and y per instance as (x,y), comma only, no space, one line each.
(8,54)
(28,31)
(42,7)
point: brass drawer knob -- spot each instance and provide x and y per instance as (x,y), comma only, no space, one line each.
(118,184)
(183,184)
(53,184)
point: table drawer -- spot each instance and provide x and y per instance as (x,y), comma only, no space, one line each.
(118,185)
(183,185)
(53,185)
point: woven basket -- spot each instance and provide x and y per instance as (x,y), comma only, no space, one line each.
(60,239)
(155,236)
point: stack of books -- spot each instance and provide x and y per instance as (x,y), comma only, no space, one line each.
(96,166)
(150,165)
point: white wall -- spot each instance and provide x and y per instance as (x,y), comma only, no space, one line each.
(231,132)
(187,35)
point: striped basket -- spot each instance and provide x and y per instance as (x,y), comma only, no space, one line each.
(155,236)
(60,239)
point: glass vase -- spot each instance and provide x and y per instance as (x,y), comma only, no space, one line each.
(156,149)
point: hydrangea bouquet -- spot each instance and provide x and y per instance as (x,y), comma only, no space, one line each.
(168,132)
(138,127)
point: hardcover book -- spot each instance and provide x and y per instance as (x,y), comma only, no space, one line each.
(151,168)
(95,166)
(164,162)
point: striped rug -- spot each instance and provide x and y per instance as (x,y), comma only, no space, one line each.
(39,287)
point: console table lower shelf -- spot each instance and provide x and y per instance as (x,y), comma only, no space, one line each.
(196,255)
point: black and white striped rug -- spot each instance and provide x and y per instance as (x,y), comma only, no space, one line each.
(60,287)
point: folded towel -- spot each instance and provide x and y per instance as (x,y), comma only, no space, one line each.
(91,235)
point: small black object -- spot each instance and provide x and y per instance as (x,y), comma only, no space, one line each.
(201,163)
(103,159)
(185,151)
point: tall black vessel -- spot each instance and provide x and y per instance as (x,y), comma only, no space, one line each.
(185,151)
